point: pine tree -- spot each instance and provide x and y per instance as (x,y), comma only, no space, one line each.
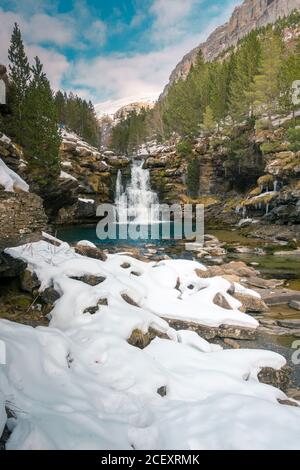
(19,74)
(265,89)
(289,73)
(246,68)
(41,136)
(208,121)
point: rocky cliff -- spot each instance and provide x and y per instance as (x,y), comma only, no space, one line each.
(252,14)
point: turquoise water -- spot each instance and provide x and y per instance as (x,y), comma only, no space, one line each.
(162,237)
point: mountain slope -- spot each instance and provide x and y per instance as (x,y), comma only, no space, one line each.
(252,14)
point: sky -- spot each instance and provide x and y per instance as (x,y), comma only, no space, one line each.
(111,51)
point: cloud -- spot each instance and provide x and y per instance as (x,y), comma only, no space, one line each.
(171,19)
(168,30)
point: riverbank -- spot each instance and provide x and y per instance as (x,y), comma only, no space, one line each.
(112,318)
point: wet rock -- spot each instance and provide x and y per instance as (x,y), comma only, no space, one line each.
(264,283)
(29,281)
(295,304)
(277,378)
(251,304)
(91,252)
(221,301)
(289,323)
(280,297)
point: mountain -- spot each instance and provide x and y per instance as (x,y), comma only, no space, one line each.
(252,14)
(110,119)
(112,107)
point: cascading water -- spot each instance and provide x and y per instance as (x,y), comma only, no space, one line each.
(138,200)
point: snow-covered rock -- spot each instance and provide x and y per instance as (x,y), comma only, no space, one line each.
(10,180)
(88,388)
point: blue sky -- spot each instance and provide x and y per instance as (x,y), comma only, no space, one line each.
(111,50)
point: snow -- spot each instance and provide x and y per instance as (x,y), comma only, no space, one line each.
(10,180)
(66,176)
(86,201)
(86,243)
(5,139)
(79,384)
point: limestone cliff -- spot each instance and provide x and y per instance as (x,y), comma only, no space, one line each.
(252,14)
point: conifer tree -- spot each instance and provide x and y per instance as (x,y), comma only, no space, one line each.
(19,74)
(246,68)
(208,121)
(265,89)
(41,136)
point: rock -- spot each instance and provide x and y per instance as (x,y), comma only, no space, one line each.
(91,252)
(280,297)
(277,378)
(233,344)
(221,301)
(129,300)
(10,267)
(29,281)
(94,309)
(236,332)
(49,296)
(22,218)
(125,265)
(264,283)
(234,268)
(288,403)
(142,340)
(162,391)
(295,304)
(90,279)
(251,304)
(293,393)
(289,323)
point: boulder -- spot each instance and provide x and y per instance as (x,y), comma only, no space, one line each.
(221,301)
(29,281)
(295,304)
(91,252)
(251,304)
(11,267)
(277,378)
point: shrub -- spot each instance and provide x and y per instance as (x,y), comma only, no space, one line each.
(294,137)
(184,148)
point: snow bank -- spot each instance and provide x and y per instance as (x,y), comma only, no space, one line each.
(79,384)
(10,180)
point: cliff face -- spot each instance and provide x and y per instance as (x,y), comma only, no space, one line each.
(252,14)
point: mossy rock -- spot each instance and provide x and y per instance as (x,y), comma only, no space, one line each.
(255,192)
(265,180)
(21,302)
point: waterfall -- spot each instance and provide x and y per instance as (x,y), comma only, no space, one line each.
(140,202)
